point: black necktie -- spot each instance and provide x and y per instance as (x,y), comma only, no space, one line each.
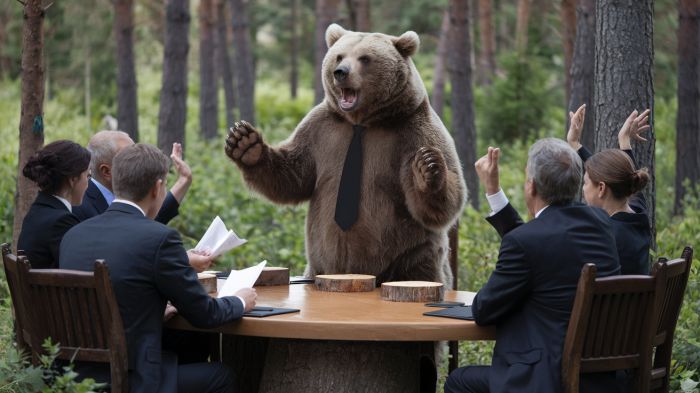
(348,202)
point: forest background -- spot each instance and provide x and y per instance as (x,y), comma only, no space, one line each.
(518,88)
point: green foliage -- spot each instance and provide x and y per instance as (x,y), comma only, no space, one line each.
(515,108)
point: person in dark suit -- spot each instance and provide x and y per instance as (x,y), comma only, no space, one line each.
(530,293)
(104,145)
(149,267)
(60,170)
(612,183)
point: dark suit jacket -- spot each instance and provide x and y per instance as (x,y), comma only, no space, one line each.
(632,230)
(530,294)
(94,203)
(43,228)
(148,266)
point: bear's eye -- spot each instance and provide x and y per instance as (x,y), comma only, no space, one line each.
(339,58)
(364,59)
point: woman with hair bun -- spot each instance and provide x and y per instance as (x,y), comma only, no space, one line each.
(612,183)
(60,170)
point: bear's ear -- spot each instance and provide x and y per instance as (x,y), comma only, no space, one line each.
(407,44)
(333,34)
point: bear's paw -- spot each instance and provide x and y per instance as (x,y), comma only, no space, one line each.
(244,143)
(429,170)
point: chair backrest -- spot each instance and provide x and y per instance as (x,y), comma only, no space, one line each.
(677,273)
(612,324)
(77,310)
(20,314)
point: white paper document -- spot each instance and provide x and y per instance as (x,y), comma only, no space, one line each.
(239,279)
(217,240)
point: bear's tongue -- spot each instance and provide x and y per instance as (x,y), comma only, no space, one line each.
(348,98)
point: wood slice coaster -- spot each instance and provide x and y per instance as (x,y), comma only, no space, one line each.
(273,276)
(412,291)
(208,281)
(345,282)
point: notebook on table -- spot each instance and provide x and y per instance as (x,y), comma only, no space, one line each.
(460,312)
(262,311)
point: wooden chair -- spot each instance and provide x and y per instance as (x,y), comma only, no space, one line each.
(612,325)
(677,272)
(18,309)
(77,310)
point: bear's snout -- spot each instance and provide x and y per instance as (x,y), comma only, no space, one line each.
(341,73)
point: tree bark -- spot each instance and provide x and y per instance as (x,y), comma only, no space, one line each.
(568,34)
(459,67)
(31,133)
(294,50)
(624,80)
(127,102)
(173,95)
(487,52)
(582,70)
(359,11)
(438,99)
(521,26)
(326,13)
(224,62)
(208,92)
(243,60)
(688,118)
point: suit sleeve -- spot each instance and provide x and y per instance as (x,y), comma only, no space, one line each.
(507,286)
(584,153)
(169,210)
(505,220)
(177,281)
(60,227)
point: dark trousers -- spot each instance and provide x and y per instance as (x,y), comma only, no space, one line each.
(470,379)
(204,378)
(190,347)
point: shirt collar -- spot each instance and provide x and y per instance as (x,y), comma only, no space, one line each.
(106,193)
(124,201)
(540,211)
(65,202)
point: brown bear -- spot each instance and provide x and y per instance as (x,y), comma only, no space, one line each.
(376,130)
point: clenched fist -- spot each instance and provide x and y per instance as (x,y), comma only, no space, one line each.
(244,143)
(429,170)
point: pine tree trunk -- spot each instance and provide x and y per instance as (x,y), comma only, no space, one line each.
(294,49)
(438,99)
(31,137)
(688,118)
(224,62)
(487,58)
(462,103)
(326,13)
(127,103)
(243,60)
(521,26)
(624,80)
(208,92)
(568,34)
(173,95)
(359,11)
(582,69)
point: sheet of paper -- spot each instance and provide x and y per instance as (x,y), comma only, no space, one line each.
(239,279)
(217,239)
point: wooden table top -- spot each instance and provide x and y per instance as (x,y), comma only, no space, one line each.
(358,316)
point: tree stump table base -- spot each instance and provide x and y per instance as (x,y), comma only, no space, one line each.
(267,365)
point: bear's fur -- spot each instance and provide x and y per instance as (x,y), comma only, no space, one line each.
(412,186)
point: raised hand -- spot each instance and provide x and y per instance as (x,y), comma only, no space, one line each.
(183,170)
(634,125)
(573,137)
(244,143)
(429,170)
(487,170)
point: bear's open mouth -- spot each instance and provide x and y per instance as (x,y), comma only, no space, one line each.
(348,99)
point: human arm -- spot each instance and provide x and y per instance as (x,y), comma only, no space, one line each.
(576,119)
(503,216)
(184,174)
(508,285)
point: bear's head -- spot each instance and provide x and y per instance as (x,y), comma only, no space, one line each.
(370,76)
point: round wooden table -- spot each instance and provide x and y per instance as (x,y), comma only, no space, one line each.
(340,342)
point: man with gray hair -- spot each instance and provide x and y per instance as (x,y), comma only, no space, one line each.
(148,266)
(103,146)
(530,293)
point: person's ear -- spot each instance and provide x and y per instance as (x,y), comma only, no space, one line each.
(602,187)
(156,188)
(105,171)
